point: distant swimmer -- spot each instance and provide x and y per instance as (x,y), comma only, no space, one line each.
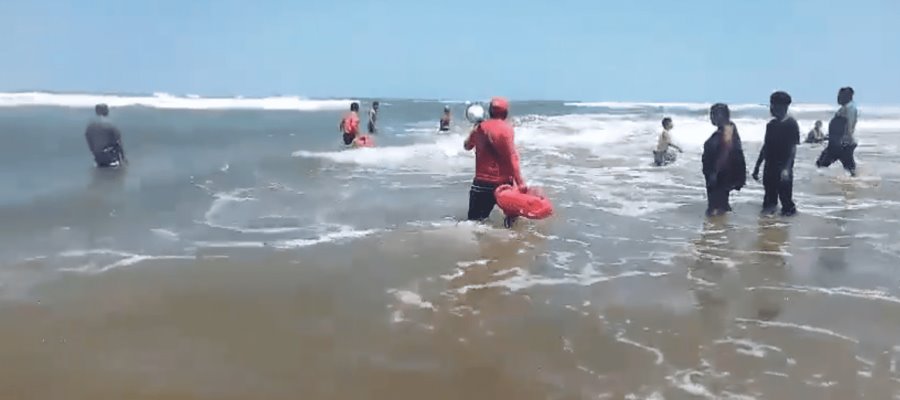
(778,151)
(445,120)
(373,118)
(496,160)
(104,139)
(841,134)
(662,155)
(724,167)
(816,135)
(349,126)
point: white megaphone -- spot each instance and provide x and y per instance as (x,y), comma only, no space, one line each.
(475,113)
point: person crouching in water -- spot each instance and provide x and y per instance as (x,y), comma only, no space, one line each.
(816,135)
(724,167)
(445,120)
(496,160)
(778,151)
(349,126)
(662,155)
(104,139)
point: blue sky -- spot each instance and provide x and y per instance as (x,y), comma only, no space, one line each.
(691,50)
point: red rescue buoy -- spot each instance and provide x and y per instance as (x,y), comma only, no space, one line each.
(514,203)
(364,141)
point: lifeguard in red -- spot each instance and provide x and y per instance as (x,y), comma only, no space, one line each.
(496,159)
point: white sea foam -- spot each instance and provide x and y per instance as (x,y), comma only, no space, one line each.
(411,298)
(800,327)
(519,279)
(879,110)
(653,350)
(446,154)
(168,101)
(684,380)
(866,294)
(749,347)
(122,259)
(344,233)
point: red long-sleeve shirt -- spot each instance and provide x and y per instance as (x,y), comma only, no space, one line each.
(496,158)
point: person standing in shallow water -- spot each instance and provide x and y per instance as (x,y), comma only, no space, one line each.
(778,151)
(496,160)
(349,125)
(841,134)
(445,120)
(373,118)
(104,140)
(724,167)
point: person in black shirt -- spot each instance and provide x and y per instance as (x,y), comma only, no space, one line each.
(778,151)
(104,139)
(724,167)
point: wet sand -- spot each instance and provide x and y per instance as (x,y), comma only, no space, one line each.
(736,314)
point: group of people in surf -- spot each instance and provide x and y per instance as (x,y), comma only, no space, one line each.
(724,167)
(497,160)
(349,126)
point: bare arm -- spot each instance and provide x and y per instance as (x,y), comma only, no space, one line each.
(469,143)
(761,158)
(762,153)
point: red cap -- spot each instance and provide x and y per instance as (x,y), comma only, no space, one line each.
(499,107)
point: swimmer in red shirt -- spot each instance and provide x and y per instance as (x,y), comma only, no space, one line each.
(496,160)
(349,126)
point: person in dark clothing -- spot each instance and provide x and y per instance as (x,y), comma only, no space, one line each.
(373,118)
(778,151)
(841,134)
(104,140)
(724,167)
(445,120)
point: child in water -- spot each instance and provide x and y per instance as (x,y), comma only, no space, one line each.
(778,151)
(662,155)
(724,167)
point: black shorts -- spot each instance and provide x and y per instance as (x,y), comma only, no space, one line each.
(371,127)
(111,156)
(838,152)
(481,200)
(348,138)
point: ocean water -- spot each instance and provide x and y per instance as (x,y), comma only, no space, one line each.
(244,253)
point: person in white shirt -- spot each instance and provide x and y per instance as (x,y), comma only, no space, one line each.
(662,155)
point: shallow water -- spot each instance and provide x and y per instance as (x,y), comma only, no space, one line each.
(244,254)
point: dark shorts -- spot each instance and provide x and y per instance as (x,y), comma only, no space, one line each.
(371,127)
(481,200)
(838,152)
(348,138)
(110,157)
(664,158)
